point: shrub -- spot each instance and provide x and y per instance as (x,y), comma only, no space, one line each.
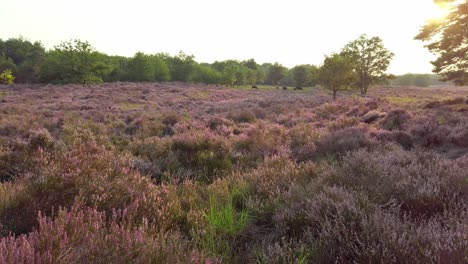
(170,119)
(203,156)
(372,116)
(421,182)
(342,141)
(242,116)
(400,137)
(341,226)
(260,141)
(395,119)
(7,77)
(270,182)
(22,154)
(85,235)
(83,174)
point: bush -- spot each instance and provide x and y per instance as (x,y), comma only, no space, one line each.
(422,183)
(243,116)
(342,141)
(199,156)
(85,235)
(395,119)
(83,174)
(7,77)
(23,155)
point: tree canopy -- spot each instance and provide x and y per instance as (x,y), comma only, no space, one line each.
(448,39)
(370,59)
(74,61)
(337,73)
(277,72)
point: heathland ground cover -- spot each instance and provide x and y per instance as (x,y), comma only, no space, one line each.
(181,173)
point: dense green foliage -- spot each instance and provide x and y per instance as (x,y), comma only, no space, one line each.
(22,57)
(337,73)
(77,61)
(448,38)
(371,60)
(305,75)
(420,80)
(6,77)
(74,62)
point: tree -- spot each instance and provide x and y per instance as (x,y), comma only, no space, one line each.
(277,72)
(312,73)
(448,39)
(181,66)
(7,77)
(140,68)
(22,57)
(251,76)
(147,68)
(205,74)
(300,75)
(337,73)
(371,60)
(74,61)
(251,64)
(230,74)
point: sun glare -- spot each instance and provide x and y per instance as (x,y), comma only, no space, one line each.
(439,11)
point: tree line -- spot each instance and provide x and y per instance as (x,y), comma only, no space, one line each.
(76,61)
(359,64)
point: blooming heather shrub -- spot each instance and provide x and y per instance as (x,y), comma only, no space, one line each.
(395,120)
(432,104)
(400,137)
(40,139)
(242,116)
(342,123)
(281,252)
(260,141)
(205,154)
(96,177)
(270,182)
(422,183)
(373,104)
(372,116)
(20,156)
(170,119)
(303,140)
(329,111)
(309,214)
(459,134)
(339,226)
(382,235)
(342,141)
(216,122)
(84,235)
(452,101)
(428,132)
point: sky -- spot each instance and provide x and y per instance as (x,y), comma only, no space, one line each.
(290,32)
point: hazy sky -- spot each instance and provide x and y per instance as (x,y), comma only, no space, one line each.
(291,32)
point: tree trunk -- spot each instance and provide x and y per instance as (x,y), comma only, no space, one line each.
(334,95)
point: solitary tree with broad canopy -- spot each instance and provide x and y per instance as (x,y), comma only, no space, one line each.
(337,73)
(448,39)
(370,59)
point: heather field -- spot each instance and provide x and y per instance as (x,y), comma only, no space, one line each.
(181,173)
